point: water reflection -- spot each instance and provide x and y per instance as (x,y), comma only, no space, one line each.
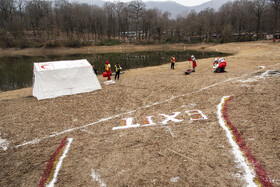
(17,72)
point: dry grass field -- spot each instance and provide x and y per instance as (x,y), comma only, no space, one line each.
(233,143)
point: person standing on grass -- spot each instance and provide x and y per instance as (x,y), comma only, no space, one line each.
(108,70)
(192,59)
(173,59)
(118,70)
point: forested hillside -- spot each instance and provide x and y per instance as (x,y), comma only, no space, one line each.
(37,23)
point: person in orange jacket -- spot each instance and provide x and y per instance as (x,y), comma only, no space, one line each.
(108,70)
(172,59)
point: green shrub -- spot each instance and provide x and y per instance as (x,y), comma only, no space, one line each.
(76,43)
(52,44)
(72,43)
(5,41)
(108,42)
(38,45)
(227,34)
(193,41)
(22,44)
(86,43)
(170,41)
(145,43)
(215,41)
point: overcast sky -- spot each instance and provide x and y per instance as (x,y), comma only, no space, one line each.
(182,2)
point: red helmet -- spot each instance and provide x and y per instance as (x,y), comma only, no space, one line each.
(107,62)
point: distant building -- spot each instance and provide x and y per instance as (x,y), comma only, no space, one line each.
(269,36)
(244,36)
(214,36)
(277,35)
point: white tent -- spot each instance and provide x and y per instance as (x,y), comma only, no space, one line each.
(53,79)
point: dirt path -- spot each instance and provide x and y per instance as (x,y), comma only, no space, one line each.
(182,152)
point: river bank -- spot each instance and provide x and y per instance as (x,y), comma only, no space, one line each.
(100,49)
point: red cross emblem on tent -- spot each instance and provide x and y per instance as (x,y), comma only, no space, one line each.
(46,66)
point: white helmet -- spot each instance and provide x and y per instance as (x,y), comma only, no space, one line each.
(221,59)
(192,56)
(216,60)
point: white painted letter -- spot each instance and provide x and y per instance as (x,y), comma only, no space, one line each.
(171,118)
(127,124)
(196,115)
(148,121)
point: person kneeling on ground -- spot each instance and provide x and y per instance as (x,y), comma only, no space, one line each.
(108,70)
(118,70)
(222,66)
(215,63)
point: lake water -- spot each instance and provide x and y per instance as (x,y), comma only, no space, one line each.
(17,72)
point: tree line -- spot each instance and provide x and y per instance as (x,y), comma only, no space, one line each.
(25,23)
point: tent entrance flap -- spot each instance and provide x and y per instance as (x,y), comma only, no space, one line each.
(58,78)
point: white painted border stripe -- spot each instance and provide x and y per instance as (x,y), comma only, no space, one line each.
(4,144)
(96,177)
(51,184)
(37,140)
(249,173)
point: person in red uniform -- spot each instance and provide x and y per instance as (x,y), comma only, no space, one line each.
(192,59)
(222,66)
(108,70)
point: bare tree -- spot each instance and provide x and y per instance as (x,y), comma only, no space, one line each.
(276,6)
(136,12)
(99,17)
(167,24)
(148,23)
(207,26)
(110,11)
(39,15)
(258,8)
(191,24)
(224,20)
(180,28)
(20,4)
(6,12)
(64,17)
(240,14)
(122,13)
(68,21)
